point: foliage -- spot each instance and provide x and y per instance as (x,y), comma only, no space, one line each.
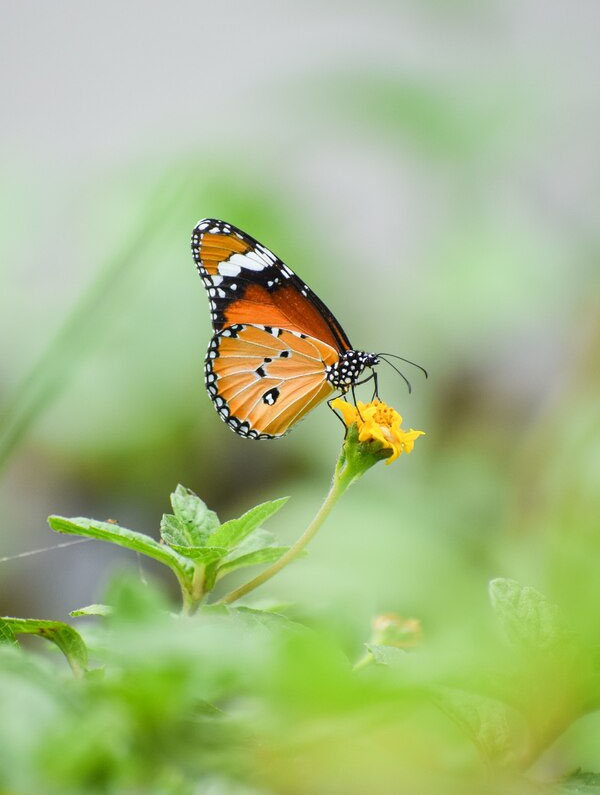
(241,699)
(197,548)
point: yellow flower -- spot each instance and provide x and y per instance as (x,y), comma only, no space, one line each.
(390,629)
(378,422)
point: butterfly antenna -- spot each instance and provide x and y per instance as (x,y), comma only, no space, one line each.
(400,373)
(408,361)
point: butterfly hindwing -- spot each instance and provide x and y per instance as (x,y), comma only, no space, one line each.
(248,284)
(263,379)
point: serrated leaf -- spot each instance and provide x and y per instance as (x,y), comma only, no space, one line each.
(205,555)
(265,555)
(257,539)
(173,531)
(527,618)
(197,519)
(252,616)
(495,728)
(234,531)
(258,547)
(139,542)
(68,640)
(266,618)
(386,655)
(92,610)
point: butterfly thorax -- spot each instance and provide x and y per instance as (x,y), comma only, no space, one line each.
(349,367)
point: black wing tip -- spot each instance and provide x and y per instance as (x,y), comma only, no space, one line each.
(226,226)
(205,223)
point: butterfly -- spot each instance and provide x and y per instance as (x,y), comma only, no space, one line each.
(277,351)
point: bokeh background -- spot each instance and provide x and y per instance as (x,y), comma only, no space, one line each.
(430,168)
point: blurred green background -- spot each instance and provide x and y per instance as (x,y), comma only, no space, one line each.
(431,169)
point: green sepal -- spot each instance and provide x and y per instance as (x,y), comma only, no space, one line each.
(356,457)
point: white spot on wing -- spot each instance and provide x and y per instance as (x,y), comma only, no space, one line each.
(229,268)
(256,257)
(244,261)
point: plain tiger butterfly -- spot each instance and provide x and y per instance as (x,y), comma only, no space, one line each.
(277,351)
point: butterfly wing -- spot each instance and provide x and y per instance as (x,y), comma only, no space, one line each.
(248,284)
(262,380)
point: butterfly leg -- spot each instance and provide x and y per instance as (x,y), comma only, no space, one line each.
(336,414)
(366,380)
(375,388)
(354,399)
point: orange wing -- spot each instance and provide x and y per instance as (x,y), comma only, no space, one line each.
(248,284)
(263,380)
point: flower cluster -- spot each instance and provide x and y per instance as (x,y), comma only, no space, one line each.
(390,629)
(378,422)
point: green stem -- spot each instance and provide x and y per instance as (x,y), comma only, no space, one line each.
(187,603)
(192,592)
(363,662)
(342,478)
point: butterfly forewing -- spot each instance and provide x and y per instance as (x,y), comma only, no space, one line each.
(248,284)
(262,380)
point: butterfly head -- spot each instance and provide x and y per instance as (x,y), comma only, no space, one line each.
(349,367)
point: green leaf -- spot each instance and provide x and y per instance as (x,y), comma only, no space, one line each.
(265,555)
(139,542)
(205,555)
(177,535)
(386,655)
(257,539)
(68,640)
(92,610)
(235,530)
(6,634)
(496,729)
(196,519)
(258,547)
(527,618)
(173,531)
(252,616)
(581,783)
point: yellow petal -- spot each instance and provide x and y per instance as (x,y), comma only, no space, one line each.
(376,421)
